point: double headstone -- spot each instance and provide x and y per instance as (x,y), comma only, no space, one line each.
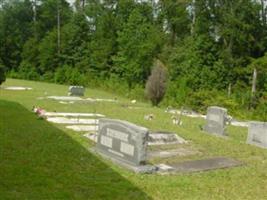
(76,91)
(124,143)
(216,120)
(257,134)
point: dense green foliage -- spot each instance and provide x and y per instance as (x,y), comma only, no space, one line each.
(2,74)
(207,46)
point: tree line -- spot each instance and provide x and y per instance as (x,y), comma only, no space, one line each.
(210,48)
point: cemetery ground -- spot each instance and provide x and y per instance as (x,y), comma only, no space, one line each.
(41,160)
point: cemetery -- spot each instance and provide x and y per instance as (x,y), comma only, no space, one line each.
(132,147)
(133,99)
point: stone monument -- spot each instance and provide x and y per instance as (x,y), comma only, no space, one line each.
(257,134)
(125,143)
(76,91)
(216,120)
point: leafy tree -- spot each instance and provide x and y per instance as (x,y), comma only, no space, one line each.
(138,43)
(15,29)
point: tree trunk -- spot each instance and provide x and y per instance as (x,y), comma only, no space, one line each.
(253,89)
(58,27)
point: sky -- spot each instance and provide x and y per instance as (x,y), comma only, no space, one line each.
(71,1)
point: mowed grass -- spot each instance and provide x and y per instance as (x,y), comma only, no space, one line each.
(39,160)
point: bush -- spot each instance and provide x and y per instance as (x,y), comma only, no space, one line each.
(27,71)
(2,74)
(69,75)
(157,83)
(176,94)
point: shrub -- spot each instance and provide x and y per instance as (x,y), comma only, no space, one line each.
(2,74)
(27,71)
(157,83)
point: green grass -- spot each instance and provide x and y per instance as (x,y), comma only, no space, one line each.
(39,160)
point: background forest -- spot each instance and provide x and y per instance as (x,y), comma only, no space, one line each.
(210,48)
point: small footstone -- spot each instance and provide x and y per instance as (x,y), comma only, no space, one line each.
(204,165)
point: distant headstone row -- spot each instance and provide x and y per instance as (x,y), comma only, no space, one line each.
(216,124)
(76,91)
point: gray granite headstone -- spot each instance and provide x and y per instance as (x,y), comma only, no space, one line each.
(76,91)
(122,141)
(257,134)
(216,120)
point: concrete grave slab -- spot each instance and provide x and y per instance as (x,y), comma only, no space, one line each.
(65,98)
(216,120)
(179,151)
(204,165)
(76,98)
(17,88)
(64,120)
(257,134)
(162,138)
(83,128)
(63,114)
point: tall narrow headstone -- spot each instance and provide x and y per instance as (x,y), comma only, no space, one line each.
(216,120)
(257,134)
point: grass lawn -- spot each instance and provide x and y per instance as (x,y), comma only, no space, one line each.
(40,160)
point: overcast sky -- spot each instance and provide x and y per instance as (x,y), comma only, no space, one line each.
(71,1)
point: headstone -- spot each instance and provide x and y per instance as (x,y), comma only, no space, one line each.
(76,91)
(257,134)
(216,120)
(123,141)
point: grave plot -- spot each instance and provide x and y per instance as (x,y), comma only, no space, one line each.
(163,138)
(127,145)
(79,122)
(65,99)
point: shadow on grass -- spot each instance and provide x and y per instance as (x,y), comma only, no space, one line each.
(39,161)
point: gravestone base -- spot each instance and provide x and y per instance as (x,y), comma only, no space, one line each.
(140,169)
